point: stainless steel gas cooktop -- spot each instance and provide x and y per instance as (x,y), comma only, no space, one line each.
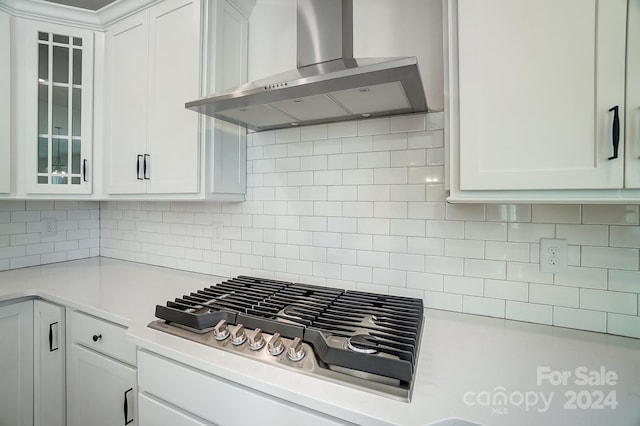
(360,339)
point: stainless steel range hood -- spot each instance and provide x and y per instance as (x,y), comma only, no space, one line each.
(329,84)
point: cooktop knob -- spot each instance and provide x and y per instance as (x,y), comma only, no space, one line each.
(275,345)
(221,330)
(295,351)
(238,336)
(256,342)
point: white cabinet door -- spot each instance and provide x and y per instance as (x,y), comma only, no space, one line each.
(536,81)
(227,69)
(5,103)
(127,62)
(632,153)
(16,365)
(174,75)
(54,106)
(100,391)
(49,364)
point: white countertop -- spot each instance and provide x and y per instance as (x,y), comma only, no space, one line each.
(465,362)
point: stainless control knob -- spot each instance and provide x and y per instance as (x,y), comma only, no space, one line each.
(256,342)
(221,330)
(275,345)
(238,336)
(295,351)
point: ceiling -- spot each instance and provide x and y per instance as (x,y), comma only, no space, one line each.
(84,4)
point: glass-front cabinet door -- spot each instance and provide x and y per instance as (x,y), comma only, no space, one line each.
(58,78)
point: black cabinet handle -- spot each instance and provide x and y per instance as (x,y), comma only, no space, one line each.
(138,167)
(84,170)
(146,176)
(97,337)
(51,348)
(615,132)
(127,420)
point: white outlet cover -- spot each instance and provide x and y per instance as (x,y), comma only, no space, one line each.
(49,227)
(218,232)
(554,255)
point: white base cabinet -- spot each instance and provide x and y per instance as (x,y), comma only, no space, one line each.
(101,389)
(49,364)
(214,399)
(16,365)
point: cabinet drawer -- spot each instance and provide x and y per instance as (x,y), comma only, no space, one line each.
(102,336)
(218,400)
(155,413)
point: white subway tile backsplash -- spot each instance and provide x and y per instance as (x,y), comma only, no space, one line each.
(607,257)
(624,236)
(361,205)
(529,232)
(373,126)
(390,142)
(485,231)
(628,281)
(444,301)
(556,213)
(426,246)
(409,158)
(391,244)
(529,312)
(580,318)
(407,262)
(393,175)
(465,211)
(463,285)
(485,269)
(464,248)
(357,144)
(429,139)
(408,123)
(610,214)
(509,212)
(483,306)
(407,227)
(425,281)
(407,192)
(510,290)
(426,210)
(624,325)
(586,235)
(609,301)
(516,252)
(554,295)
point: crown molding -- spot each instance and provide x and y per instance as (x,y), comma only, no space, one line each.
(63,14)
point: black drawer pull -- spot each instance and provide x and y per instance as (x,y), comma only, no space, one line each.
(96,337)
(127,420)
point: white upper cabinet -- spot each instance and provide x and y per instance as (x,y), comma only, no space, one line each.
(5,103)
(226,59)
(53,107)
(533,91)
(632,151)
(153,61)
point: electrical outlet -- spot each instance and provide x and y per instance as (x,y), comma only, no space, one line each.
(218,230)
(553,255)
(49,227)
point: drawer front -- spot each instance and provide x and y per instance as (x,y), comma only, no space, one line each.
(218,400)
(102,336)
(156,413)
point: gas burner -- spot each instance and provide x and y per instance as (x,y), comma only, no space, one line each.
(360,343)
(360,339)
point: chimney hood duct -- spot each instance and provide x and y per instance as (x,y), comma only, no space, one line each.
(329,85)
